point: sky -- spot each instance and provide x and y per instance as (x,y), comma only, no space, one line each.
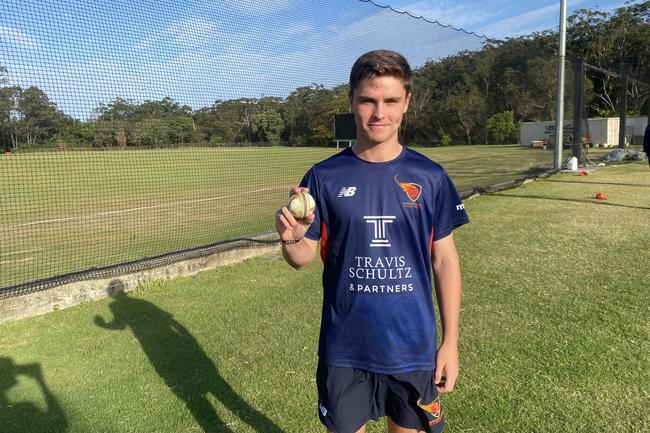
(500,18)
(83,53)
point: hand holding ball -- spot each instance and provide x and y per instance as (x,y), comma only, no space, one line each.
(301,205)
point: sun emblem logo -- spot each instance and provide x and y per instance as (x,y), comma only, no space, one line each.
(434,409)
(412,190)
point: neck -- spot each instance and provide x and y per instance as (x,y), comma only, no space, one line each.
(377,152)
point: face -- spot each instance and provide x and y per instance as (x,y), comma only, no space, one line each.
(378,104)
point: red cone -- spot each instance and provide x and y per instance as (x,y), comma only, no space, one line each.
(583,173)
(601,196)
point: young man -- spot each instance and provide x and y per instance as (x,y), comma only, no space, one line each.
(384,216)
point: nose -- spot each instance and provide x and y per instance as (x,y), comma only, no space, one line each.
(379,111)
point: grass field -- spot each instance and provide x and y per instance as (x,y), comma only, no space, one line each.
(70,211)
(555,335)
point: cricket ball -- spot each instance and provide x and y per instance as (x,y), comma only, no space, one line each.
(301,205)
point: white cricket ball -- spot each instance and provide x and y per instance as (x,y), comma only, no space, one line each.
(301,205)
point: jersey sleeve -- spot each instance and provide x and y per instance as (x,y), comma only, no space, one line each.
(310,181)
(449,212)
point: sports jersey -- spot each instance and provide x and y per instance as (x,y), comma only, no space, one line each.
(377,223)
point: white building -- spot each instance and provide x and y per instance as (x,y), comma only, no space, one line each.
(601,131)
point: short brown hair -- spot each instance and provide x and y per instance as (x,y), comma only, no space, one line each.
(379,63)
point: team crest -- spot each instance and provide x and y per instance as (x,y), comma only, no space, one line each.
(434,409)
(412,190)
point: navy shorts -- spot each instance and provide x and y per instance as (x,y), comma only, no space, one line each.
(349,397)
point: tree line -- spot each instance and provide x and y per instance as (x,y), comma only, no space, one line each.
(472,97)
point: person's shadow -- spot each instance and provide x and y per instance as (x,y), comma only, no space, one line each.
(26,417)
(180,362)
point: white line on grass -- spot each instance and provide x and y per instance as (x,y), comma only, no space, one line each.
(137,209)
(26,259)
(13,253)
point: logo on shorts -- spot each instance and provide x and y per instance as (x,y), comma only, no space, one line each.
(434,409)
(322,409)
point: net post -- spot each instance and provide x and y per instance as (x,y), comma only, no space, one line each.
(578,107)
(622,109)
(559,105)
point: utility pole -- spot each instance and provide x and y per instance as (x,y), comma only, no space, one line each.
(622,109)
(559,105)
(578,107)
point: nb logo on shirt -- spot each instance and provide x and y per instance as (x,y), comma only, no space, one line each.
(347,191)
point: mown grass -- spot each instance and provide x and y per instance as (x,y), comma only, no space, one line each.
(70,211)
(555,334)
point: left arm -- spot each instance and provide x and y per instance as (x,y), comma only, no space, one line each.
(446,268)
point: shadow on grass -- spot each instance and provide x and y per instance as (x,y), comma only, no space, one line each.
(514,173)
(25,416)
(181,362)
(478,160)
(590,201)
(599,183)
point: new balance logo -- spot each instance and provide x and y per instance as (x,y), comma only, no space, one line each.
(460,207)
(323,409)
(347,191)
(379,226)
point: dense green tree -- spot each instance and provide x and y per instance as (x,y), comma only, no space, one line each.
(457,100)
(617,41)
(417,125)
(40,119)
(225,121)
(113,122)
(182,130)
(310,110)
(75,134)
(266,122)
(469,97)
(152,123)
(118,109)
(8,112)
(501,128)
(163,109)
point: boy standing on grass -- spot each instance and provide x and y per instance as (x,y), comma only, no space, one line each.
(384,216)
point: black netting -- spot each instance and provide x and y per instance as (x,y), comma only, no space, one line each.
(135,129)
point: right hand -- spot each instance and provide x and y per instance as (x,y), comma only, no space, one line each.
(100,321)
(287,226)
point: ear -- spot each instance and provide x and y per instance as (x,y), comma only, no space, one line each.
(406,106)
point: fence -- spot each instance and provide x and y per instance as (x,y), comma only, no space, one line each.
(136,132)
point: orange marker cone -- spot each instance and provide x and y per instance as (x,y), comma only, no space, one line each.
(601,196)
(583,173)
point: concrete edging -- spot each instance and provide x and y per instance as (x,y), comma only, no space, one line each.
(75,293)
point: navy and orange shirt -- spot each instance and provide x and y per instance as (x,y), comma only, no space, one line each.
(377,223)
